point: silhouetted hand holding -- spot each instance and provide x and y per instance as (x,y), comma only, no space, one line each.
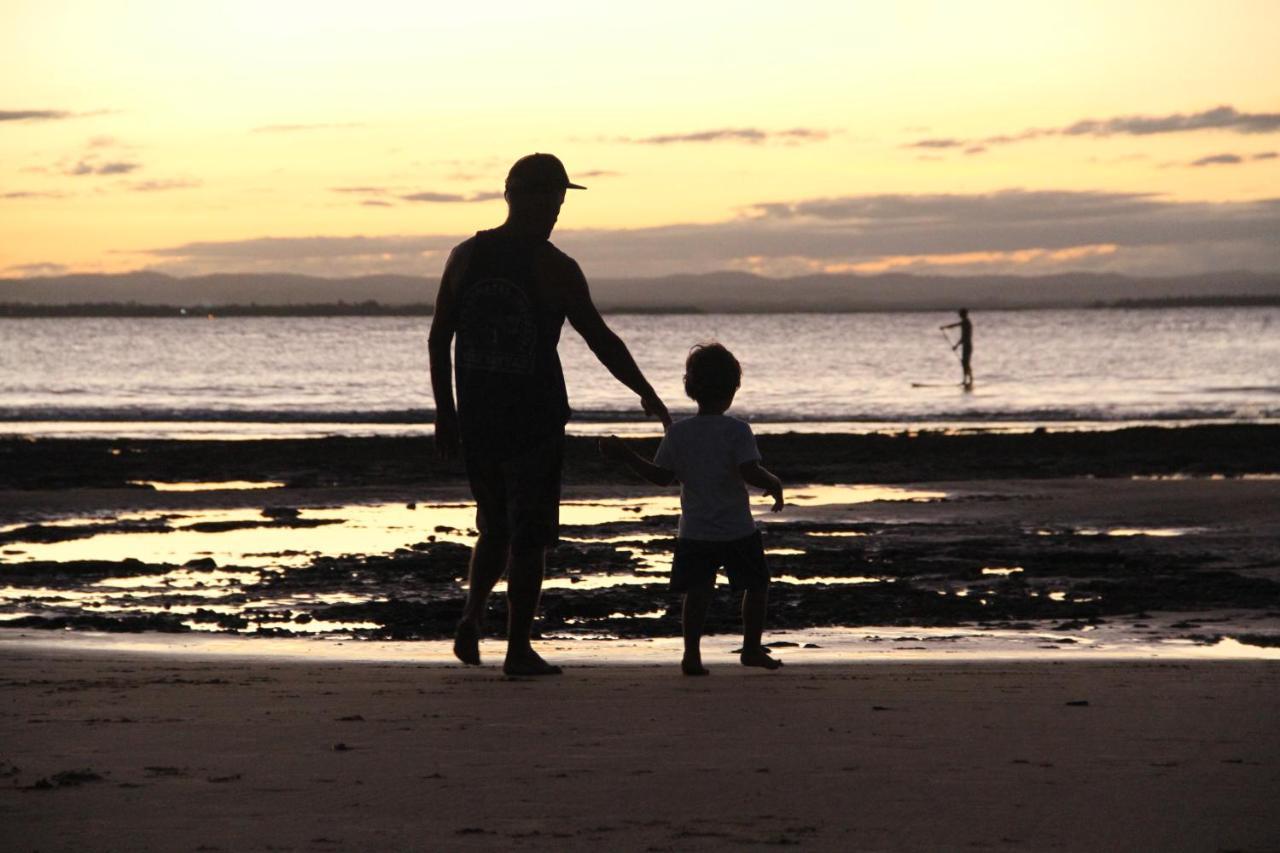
(654,407)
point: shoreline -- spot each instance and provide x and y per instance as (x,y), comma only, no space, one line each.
(906,456)
(797,648)
(416,426)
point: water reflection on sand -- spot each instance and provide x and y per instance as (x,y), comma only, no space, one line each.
(221,557)
(207,486)
(867,645)
(281,569)
(374,528)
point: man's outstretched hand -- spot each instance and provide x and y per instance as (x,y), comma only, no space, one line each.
(655,408)
(446,438)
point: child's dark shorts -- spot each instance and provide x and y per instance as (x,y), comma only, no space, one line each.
(697,561)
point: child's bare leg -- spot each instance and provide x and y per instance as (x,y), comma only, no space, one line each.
(754,604)
(696,601)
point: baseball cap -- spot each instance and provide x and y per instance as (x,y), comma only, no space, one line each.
(540,172)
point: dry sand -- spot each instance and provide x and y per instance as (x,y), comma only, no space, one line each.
(232,755)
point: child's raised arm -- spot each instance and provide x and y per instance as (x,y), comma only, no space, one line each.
(755,474)
(613,447)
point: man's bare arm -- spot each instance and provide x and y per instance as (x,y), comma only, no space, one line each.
(440,346)
(607,346)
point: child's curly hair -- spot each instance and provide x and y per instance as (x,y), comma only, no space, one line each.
(711,372)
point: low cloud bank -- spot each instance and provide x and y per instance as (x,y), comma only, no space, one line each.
(1012,231)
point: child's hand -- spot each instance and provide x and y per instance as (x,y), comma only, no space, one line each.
(611,447)
(775,492)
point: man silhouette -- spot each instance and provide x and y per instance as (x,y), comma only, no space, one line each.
(505,295)
(965,344)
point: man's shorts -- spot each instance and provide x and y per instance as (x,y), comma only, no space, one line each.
(697,561)
(518,498)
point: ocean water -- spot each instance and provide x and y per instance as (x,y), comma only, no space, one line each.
(250,376)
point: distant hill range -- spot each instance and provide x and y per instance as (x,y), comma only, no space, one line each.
(711,292)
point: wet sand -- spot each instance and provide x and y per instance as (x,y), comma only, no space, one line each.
(107,751)
(1183,559)
(908,456)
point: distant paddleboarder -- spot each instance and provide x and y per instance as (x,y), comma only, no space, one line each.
(965,345)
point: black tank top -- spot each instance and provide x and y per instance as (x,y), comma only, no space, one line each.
(511,393)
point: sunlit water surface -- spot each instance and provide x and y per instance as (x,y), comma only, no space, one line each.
(284,376)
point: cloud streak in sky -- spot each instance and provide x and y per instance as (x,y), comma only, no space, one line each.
(930,209)
(383,196)
(34,115)
(750,135)
(1218,118)
(36,269)
(1218,159)
(304,248)
(25,194)
(296,128)
(47,115)
(1225,118)
(937,143)
(162,185)
(1230,159)
(112,167)
(450,198)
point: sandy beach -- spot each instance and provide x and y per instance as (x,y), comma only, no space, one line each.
(1016,655)
(104,751)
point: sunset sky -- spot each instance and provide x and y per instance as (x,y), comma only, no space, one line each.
(349,138)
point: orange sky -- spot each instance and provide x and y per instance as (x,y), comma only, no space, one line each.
(220,136)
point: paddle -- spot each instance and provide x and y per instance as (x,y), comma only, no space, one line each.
(951,346)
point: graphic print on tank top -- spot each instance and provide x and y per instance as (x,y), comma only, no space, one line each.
(498,328)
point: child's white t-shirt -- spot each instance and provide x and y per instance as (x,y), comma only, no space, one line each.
(704,452)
